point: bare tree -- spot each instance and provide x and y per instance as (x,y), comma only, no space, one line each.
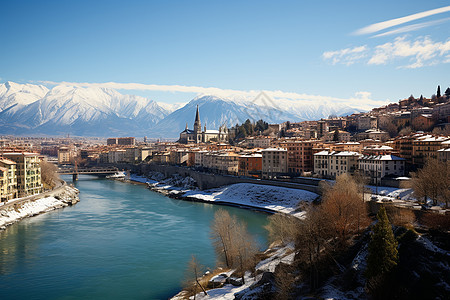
(49,175)
(343,206)
(246,249)
(222,234)
(432,181)
(400,216)
(282,228)
(193,273)
(312,240)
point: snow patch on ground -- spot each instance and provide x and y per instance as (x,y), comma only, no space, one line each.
(280,256)
(430,246)
(10,214)
(279,199)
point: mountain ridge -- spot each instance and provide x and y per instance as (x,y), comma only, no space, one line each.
(96,111)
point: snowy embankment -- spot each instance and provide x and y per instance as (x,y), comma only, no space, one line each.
(264,197)
(19,209)
(272,198)
(255,286)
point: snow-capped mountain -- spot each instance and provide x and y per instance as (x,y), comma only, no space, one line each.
(81,111)
(14,96)
(96,111)
(215,111)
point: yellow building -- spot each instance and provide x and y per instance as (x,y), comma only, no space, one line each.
(28,172)
(9,180)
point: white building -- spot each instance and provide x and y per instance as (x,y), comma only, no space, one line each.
(379,166)
(332,164)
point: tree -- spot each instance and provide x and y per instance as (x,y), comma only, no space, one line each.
(282,228)
(222,234)
(336,136)
(246,249)
(438,93)
(49,175)
(447,93)
(383,253)
(234,246)
(345,208)
(193,273)
(313,241)
(432,181)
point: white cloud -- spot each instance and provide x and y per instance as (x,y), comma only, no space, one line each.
(398,21)
(412,27)
(347,56)
(420,52)
(361,100)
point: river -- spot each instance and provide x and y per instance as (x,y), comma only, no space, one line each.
(121,241)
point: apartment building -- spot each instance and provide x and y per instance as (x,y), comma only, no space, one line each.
(9,184)
(28,172)
(426,147)
(330,164)
(274,162)
(376,167)
(299,156)
(250,165)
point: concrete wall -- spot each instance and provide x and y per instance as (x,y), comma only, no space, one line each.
(209,180)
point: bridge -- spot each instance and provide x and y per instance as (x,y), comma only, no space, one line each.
(90,171)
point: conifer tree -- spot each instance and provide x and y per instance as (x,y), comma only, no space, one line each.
(383,253)
(438,94)
(447,93)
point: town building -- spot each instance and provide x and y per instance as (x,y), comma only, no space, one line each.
(250,165)
(299,156)
(332,164)
(9,181)
(378,167)
(367,122)
(64,155)
(274,162)
(28,172)
(121,141)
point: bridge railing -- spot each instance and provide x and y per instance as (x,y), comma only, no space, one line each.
(88,171)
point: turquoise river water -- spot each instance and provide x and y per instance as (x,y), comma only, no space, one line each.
(121,241)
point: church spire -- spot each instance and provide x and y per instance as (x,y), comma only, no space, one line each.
(197,116)
(197,123)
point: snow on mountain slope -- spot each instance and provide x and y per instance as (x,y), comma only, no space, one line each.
(215,111)
(15,95)
(92,110)
(28,108)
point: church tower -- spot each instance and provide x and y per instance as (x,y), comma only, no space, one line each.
(197,127)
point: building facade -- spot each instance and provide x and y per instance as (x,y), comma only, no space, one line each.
(274,162)
(28,172)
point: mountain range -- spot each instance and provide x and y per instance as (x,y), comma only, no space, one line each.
(28,109)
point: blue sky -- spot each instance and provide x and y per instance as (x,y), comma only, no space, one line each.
(301,47)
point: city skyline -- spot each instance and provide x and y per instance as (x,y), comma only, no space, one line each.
(171,53)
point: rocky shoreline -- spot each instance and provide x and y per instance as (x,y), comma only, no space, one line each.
(16,210)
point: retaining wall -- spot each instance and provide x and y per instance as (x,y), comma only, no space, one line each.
(209,180)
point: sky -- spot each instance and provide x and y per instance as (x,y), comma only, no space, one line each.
(366,52)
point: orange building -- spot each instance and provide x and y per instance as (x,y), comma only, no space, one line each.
(250,165)
(300,156)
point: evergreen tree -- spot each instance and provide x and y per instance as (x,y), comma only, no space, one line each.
(447,93)
(383,253)
(438,94)
(336,136)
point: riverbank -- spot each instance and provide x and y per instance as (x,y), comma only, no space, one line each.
(18,209)
(264,198)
